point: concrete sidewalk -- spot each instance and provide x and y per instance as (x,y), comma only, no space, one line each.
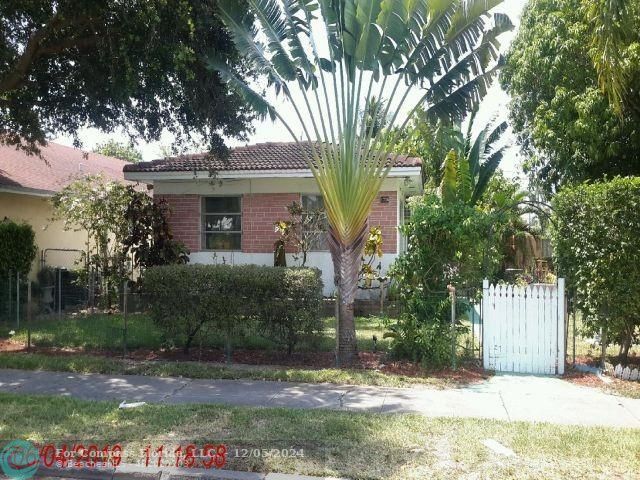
(503,397)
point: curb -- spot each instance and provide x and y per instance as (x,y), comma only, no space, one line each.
(130,471)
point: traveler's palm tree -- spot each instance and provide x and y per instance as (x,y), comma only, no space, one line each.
(329,59)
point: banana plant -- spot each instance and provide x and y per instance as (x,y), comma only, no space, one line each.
(329,59)
(467,171)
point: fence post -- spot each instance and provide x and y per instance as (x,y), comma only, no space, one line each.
(29,311)
(125,292)
(574,335)
(10,297)
(17,300)
(59,294)
(562,315)
(452,292)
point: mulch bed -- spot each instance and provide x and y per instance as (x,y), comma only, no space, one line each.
(377,361)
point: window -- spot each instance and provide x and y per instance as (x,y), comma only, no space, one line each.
(311,204)
(222,223)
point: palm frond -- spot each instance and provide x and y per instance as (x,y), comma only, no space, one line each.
(463,99)
(244,36)
(487,171)
(253,98)
(274,26)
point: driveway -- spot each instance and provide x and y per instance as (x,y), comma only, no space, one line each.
(502,397)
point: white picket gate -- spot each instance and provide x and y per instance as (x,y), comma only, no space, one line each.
(524,328)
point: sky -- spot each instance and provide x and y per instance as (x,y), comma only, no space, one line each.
(495,104)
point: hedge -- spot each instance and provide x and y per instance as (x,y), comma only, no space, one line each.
(190,300)
(18,247)
(596,242)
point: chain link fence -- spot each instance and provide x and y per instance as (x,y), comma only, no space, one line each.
(67,313)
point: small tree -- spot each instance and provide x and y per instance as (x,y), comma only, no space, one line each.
(372,252)
(597,247)
(99,207)
(150,239)
(303,230)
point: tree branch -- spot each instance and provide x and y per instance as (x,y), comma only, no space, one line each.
(34,50)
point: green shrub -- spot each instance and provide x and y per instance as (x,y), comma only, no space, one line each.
(225,300)
(449,243)
(18,247)
(596,242)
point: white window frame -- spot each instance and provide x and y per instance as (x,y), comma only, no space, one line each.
(203,223)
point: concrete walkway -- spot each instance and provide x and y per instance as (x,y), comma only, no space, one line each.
(503,397)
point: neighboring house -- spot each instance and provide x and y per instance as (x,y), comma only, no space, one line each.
(27,184)
(230,218)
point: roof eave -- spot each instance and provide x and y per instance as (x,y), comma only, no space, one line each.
(19,190)
(236,174)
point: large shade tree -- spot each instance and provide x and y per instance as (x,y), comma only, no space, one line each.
(135,64)
(330,59)
(569,129)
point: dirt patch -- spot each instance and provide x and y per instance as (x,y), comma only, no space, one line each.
(11,346)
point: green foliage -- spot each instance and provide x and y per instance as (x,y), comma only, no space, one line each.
(460,164)
(149,237)
(302,231)
(449,243)
(563,120)
(119,221)
(18,247)
(113,148)
(597,248)
(372,251)
(224,300)
(99,207)
(614,38)
(137,65)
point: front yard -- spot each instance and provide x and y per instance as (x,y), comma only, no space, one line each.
(105,333)
(354,445)
(94,344)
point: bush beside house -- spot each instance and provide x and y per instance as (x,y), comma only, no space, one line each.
(191,300)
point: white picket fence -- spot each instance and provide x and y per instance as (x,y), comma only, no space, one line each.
(524,328)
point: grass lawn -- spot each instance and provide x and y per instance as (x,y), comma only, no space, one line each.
(353,445)
(115,366)
(105,332)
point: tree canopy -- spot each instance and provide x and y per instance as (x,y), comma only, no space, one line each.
(121,150)
(563,119)
(137,65)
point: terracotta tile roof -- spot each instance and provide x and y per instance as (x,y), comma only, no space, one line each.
(261,156)
(59,166)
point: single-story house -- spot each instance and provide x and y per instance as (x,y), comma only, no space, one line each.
(27,184)
(231,217)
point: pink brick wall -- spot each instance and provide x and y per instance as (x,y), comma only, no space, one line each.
(185,219)
(386,216)
(260,211)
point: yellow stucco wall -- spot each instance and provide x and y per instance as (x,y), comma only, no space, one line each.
(37,212)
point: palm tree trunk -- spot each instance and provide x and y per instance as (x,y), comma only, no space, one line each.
(346,267)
